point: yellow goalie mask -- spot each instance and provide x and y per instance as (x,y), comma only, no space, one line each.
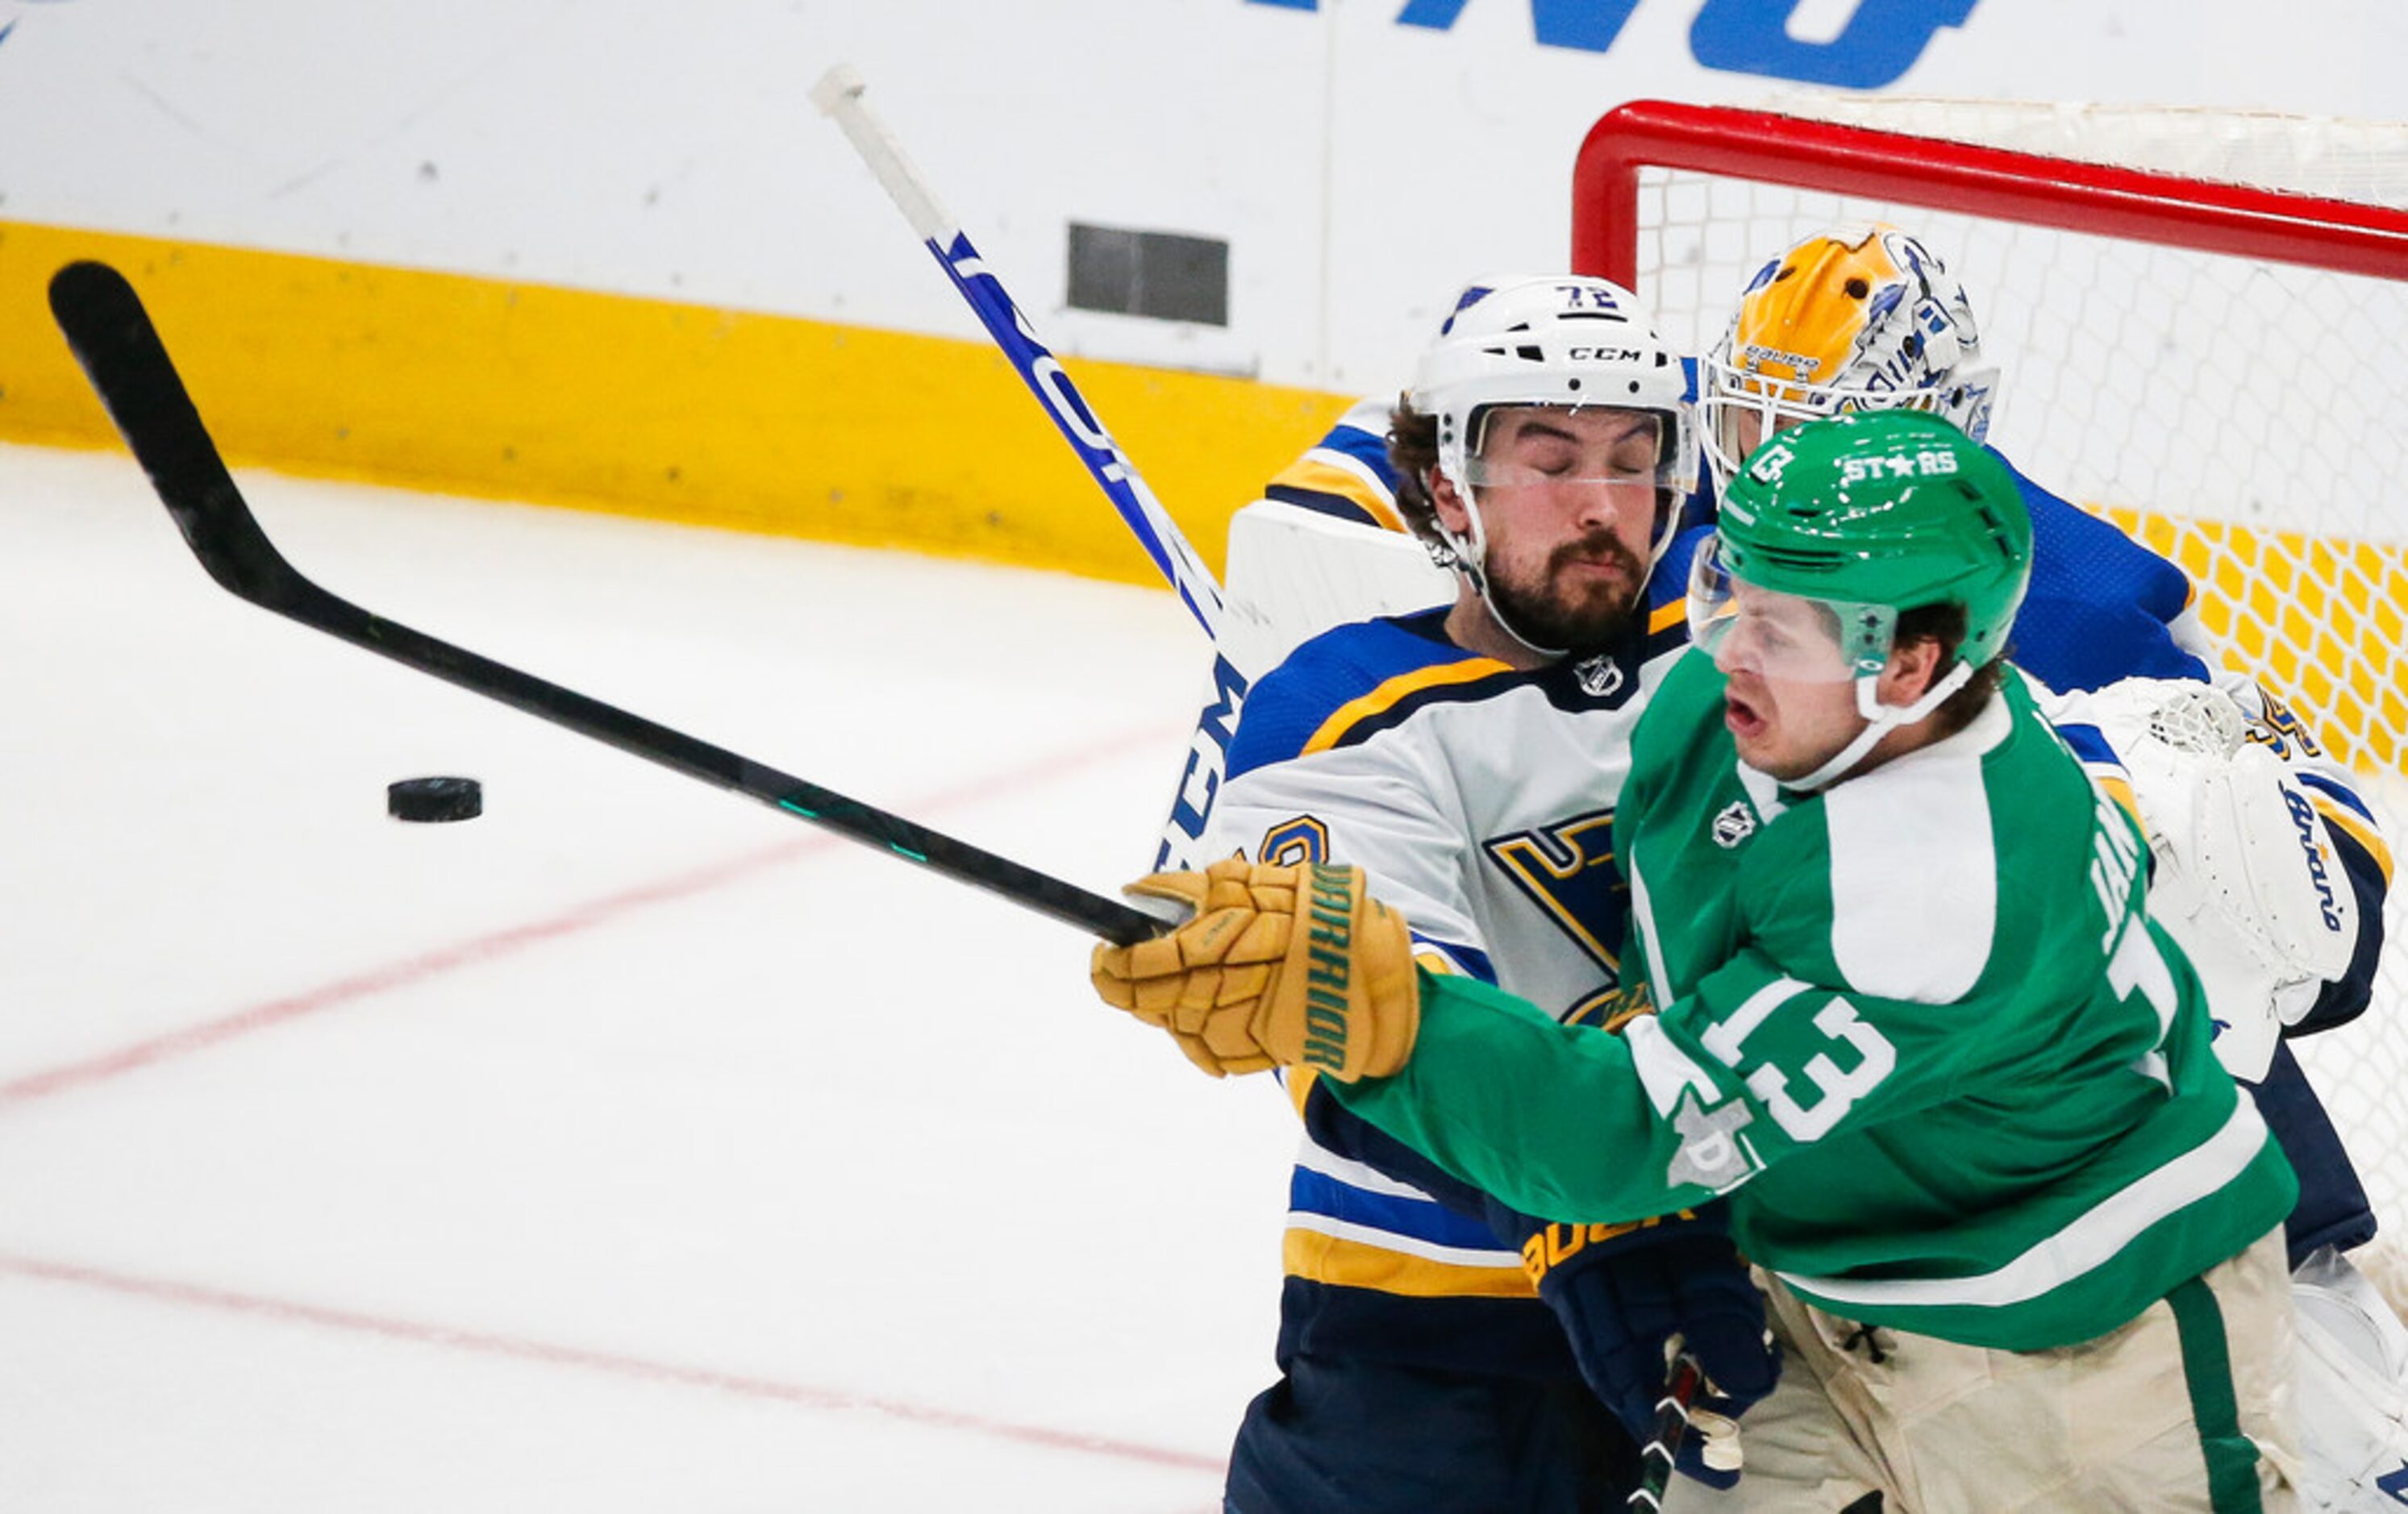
(1855,317)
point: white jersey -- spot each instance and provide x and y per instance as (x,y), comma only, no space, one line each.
(1479,799)
(1384,745)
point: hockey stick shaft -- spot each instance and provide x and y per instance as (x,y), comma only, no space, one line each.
(838,94)
(113,338)
(1662,1452)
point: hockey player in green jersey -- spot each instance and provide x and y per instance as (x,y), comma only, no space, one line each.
(2019,1232)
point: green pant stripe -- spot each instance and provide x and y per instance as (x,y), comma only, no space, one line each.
(2207,1371)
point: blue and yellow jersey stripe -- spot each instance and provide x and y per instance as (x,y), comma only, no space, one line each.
(2097,758)
(1453,958)
(1350,1226)
(1329,484)
(1344,671)
(1399,696)
(1348,475)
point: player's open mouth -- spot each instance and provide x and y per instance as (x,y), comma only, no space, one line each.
(1740,717)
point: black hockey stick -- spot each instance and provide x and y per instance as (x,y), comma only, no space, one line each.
(121,352)
(1657,1457)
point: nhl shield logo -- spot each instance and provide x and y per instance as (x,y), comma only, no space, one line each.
(1734,826)
(1600,678)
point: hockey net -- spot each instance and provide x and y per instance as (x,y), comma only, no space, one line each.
(2201,325)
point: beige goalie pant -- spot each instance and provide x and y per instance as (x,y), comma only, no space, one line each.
(1940,1428)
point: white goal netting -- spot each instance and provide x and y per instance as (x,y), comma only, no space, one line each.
(2246,417)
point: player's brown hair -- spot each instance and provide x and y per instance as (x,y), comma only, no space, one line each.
(1413,451)
(1945,624)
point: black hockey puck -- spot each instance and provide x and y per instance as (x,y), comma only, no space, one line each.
(435,799)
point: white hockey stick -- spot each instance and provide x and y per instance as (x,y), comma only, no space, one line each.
(838,94)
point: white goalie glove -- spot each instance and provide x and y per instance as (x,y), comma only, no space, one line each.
(2247,881)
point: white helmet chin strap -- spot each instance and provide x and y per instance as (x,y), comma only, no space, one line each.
(1881,720)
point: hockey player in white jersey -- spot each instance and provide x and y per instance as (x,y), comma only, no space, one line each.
(1467,757)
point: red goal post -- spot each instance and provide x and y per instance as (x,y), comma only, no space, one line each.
(2103,199)
(2214,358)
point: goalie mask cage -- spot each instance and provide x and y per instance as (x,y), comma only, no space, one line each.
(2200,323)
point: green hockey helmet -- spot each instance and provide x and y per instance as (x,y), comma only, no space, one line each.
(1869,515)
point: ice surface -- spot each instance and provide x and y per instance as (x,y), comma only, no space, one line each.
(632,1146)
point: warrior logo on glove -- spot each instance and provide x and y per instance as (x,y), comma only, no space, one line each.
(1279,966)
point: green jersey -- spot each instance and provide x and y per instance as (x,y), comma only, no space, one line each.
(1916,1026)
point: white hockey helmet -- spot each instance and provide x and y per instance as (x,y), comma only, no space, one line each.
(1859,316)
(1559,339)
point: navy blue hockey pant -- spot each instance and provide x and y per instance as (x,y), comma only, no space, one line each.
(1370,1439)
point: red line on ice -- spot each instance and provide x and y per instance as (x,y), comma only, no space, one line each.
(484,1344)
(510,939)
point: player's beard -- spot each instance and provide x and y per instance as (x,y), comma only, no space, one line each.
(1558,607)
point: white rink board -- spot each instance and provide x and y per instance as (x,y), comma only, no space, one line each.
(1363,158)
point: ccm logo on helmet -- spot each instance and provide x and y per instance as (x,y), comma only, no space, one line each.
(1602,354)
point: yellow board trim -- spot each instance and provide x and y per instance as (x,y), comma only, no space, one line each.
(646,407)
(1348,1263)
(1388,695)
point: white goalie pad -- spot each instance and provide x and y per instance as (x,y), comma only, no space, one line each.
(2353,1382)
(1293,573)
(2247,881)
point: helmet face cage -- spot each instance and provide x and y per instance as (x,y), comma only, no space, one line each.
(1857,318)
(1563,341)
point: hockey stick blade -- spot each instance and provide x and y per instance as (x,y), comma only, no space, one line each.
(112,338)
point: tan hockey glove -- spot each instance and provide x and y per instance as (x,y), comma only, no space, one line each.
(1280,966)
